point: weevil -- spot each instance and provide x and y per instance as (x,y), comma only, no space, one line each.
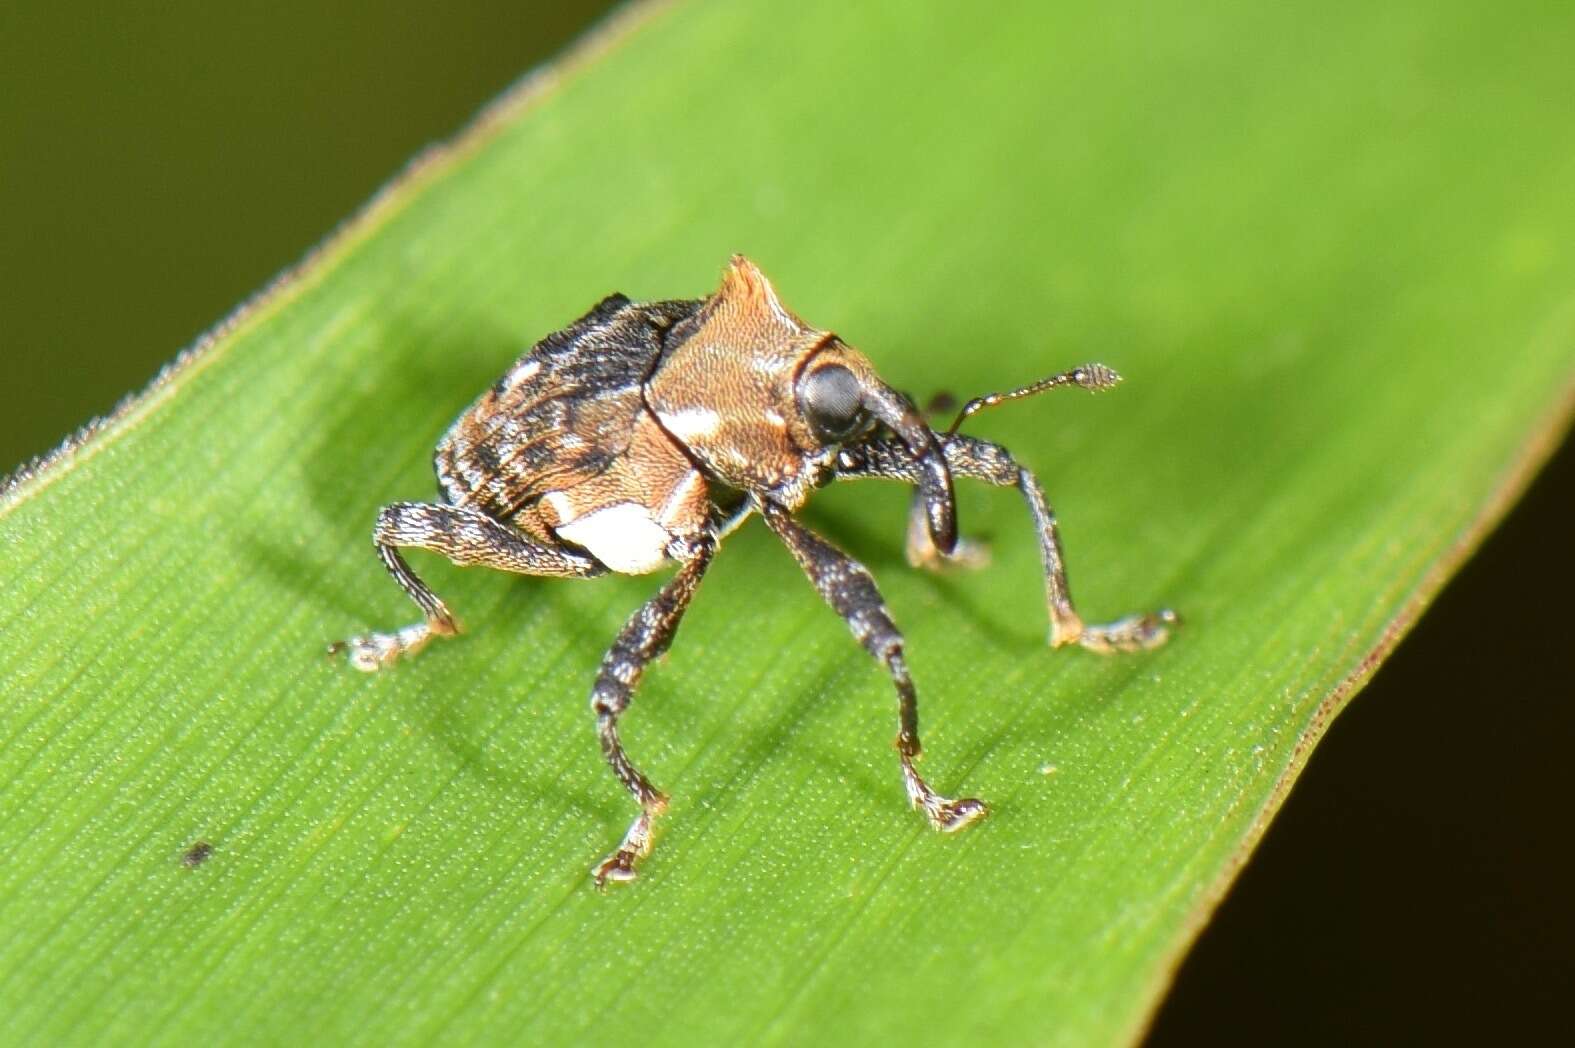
(644,433)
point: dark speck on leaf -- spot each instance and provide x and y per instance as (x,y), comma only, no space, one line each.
(196,855)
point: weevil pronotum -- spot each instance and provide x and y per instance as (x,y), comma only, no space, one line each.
(643,434)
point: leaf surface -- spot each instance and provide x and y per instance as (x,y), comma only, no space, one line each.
(1328,249)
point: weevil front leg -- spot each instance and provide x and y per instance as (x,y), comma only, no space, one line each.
(465,537)
(982,460)
(1138,632)
(847,586)
(646,635)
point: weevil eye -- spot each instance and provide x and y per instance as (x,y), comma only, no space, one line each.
(831,398)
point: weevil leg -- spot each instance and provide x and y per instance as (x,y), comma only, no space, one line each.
(847,586)
(1138,632)
(982,460)
(646,635)
(465,537)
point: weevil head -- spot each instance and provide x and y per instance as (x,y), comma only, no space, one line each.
(764,401)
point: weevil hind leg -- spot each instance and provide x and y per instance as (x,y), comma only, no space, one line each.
(647,634)
(847,586)
(465,537)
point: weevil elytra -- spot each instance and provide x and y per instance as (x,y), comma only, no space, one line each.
(642,434)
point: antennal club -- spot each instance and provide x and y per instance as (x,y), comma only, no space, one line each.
(1096,378)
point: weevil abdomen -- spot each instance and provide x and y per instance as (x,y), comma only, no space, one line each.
(563,413)
(627,515)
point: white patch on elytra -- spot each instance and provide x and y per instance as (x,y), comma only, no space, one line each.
(559,503)
(691,423)
(679,500)
(623,537)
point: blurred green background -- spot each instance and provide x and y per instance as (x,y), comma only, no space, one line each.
(147,186)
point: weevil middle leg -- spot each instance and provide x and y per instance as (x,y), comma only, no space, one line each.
(848,587)
(465,537)
(982,460)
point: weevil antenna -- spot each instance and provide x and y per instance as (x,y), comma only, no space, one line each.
(1096,378)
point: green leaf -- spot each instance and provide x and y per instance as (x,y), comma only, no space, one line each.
(1328,248)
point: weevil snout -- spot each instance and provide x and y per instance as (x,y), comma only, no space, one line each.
(935,477)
